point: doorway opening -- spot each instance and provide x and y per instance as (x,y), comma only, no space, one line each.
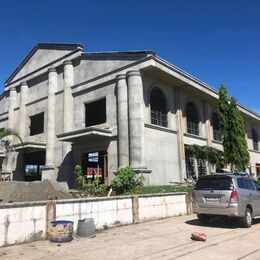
(34,161)
(94,165)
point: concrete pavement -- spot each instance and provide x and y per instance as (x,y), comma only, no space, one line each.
(161,239)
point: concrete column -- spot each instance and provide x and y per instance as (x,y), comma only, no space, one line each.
(136,119)
(122,111)
(22,115)
(12,101)
(67,96)
(52,88)
(207,123)
(180,134)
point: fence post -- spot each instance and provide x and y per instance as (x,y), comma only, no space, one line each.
(50,215)
(135,209)
(189,203)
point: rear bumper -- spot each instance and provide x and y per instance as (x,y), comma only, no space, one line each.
(232,210)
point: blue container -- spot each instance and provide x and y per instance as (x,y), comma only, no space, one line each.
(61,231)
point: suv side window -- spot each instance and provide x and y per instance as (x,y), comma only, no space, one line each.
(241,183)
(257,185)
(249,185)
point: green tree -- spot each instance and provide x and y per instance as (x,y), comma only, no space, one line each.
(8,132)
(233,131)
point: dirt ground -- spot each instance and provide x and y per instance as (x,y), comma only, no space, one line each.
(19,191)
(162,239)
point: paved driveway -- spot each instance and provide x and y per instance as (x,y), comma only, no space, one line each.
(162,239)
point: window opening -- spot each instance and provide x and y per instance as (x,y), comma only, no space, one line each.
(192,119)
(37,124)
(158,108)
(255,139)
(95,112)
(216,127)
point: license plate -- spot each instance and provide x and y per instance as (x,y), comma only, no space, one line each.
(212,198)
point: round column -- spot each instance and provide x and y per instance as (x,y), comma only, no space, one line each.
(22,116)
(136,119)
(52,88)
(12,101)
(122,111)
(67,96)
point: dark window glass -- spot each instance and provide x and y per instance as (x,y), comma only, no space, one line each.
(255,139)
(257,185)
(37,124)
(214,184)
(249,185)
(241,183)
(202,169)
(95,113)
(158,108)
(216,127)
(192,119)
(190,168)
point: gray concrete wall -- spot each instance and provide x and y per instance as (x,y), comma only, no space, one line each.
(91,67)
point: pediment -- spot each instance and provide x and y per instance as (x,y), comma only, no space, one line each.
(41,55)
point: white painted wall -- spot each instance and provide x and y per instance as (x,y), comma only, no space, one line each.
(106,212)
(161,207)
(26,222)
(22,222)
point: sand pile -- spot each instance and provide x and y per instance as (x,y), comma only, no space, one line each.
(18,191)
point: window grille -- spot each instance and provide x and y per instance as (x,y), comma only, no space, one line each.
(255,139)
(190,168)
(216,127)
(202,168)
(192,119)
(158,108)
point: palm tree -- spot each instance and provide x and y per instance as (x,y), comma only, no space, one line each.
(4,134)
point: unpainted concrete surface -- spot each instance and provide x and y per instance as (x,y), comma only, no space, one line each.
(162,239)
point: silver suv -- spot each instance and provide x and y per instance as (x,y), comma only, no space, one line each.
(232,194)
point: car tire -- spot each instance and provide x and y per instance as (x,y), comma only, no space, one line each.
(247,219)
(203,218)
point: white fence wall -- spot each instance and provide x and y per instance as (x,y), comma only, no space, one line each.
(22,222)
(25,222)
(156,207)
(106,212)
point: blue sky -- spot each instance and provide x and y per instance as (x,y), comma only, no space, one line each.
(216,41)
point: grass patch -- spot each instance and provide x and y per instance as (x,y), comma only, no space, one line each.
(160,189)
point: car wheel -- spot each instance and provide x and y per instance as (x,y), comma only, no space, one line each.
(203,219)
(247,219)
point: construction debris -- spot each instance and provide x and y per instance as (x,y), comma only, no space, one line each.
(20,191)
(198,236)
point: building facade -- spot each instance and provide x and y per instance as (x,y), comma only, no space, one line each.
(106,110)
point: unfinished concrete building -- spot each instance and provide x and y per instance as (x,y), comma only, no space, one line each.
(109,109)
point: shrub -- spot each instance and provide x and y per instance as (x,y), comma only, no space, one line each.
(125,180)
(88,187)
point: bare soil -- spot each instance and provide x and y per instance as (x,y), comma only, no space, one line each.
(20,191)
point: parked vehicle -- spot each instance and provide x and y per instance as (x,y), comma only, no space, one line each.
(231,194)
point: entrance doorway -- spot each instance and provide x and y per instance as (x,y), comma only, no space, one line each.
(33,161)
(94,165)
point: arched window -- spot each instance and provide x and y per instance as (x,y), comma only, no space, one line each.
(216,127)
(255,139)
(158,108)
(192,119)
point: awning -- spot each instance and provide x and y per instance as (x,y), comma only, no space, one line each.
(30,146)
(88,132)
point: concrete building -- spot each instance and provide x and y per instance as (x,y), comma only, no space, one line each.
(109,109)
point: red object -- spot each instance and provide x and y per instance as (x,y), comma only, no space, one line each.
(198,236)
(93,172)
(233,196)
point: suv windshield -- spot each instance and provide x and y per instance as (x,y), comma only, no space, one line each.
(214,183)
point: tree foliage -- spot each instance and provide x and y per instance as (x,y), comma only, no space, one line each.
(232,128)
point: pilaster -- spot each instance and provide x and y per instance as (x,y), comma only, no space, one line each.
(22,115)
(122,110)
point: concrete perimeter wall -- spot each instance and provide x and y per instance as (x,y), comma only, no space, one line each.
(26,222)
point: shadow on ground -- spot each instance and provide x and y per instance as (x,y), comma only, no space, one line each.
(221,222)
